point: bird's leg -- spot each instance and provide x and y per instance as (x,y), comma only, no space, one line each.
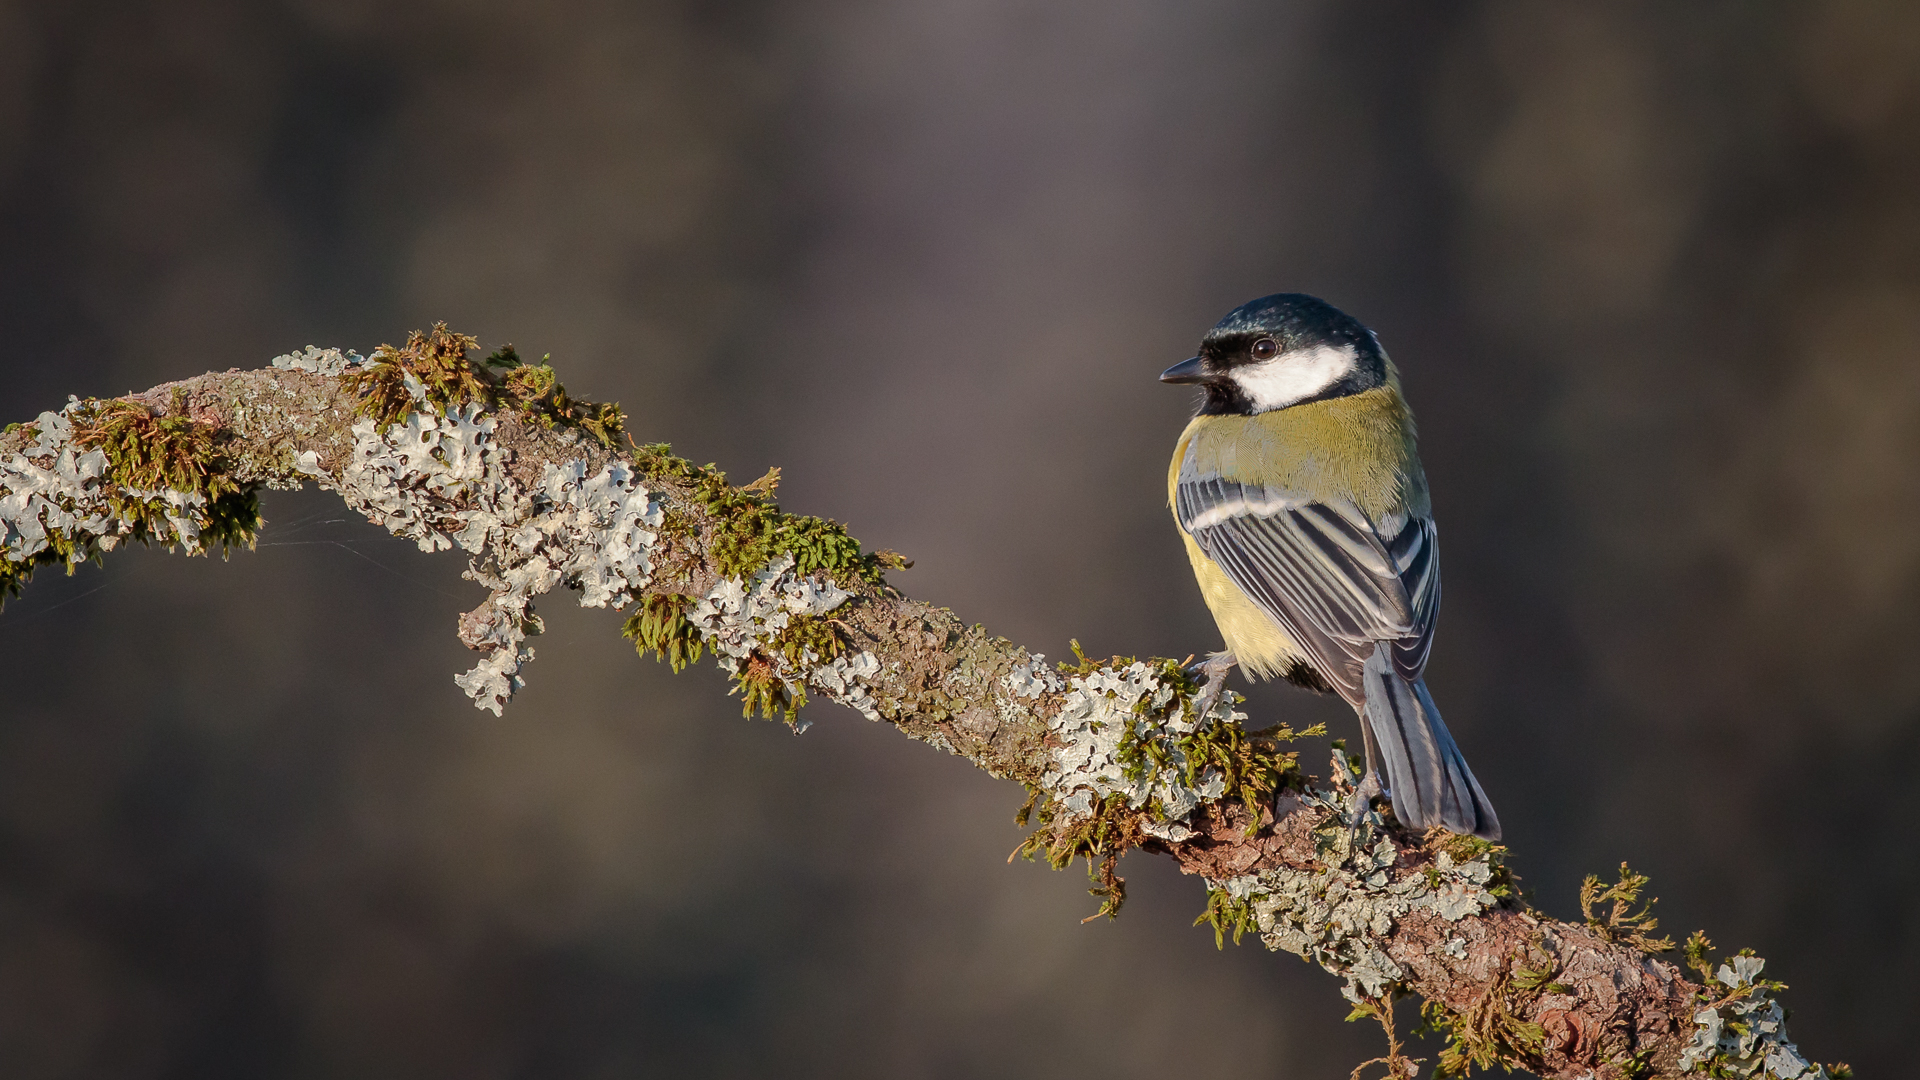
(1215,668)
(1370,785)
(1360,802)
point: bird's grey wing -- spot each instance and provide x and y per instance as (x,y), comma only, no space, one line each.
(1322,570)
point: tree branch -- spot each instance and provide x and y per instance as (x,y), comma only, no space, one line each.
(542,490)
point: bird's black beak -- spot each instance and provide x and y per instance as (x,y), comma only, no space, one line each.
(1186,371)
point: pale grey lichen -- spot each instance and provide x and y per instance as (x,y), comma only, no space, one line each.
(849,679)
(1341,914)
(594,533)
(1744,1032)
(443,481)
(739,617)
(57,491)
(1031,677)
(329,362)
(1108,709)
(436,480)
(1028,679)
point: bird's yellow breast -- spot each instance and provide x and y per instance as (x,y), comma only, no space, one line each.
(1360,447)
(1262,648)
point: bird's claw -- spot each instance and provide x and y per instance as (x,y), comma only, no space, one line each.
(1361,802)
(1214,668)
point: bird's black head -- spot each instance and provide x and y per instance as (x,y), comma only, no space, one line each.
(1282,350)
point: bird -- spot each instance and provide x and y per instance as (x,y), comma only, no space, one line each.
(1298,491)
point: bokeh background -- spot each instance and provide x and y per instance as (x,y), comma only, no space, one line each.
(1651,270)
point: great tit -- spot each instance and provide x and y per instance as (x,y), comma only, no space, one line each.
(1298,491)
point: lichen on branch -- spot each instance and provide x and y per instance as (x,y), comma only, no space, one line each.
(95,474)
(542,490)
(434,371)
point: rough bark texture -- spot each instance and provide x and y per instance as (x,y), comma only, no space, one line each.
(1563,999)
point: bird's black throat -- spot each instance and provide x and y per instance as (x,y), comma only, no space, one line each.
(1223,397)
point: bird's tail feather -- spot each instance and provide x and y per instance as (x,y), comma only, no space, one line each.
(1429,778)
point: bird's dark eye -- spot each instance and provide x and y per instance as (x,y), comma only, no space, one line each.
(1265,348)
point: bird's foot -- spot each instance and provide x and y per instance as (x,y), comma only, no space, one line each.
(1361,802)
(1214,668)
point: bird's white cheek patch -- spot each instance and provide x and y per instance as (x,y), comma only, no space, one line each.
(1295,376)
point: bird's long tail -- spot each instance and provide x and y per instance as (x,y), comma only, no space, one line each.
(1429,778)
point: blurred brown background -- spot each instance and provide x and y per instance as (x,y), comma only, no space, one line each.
(1652,272)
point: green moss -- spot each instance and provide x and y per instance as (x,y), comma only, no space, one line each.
(676,525)
(1228,916)
(763,691)
(440,362)
(804,641)
(1490,1032)
(153,453)
(1084,666)
(1100,838)
(147,455)
(1623,923)
(660,626)
(1538,977)
(749,530)
(535,390)
(1252,764)
(807,640)
(437,359)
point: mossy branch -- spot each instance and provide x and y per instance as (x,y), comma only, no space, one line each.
(1507,985)
(1623,922)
